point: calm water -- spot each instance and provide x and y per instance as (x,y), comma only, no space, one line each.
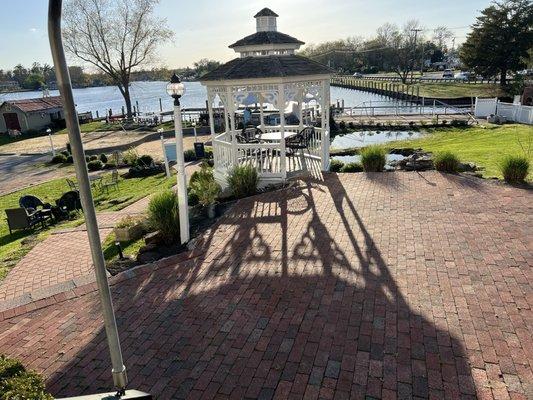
(366,138)
(147,94)
(357,158)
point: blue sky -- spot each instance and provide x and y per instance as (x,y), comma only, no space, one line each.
(204,29)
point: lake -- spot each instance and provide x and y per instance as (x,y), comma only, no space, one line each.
(147,95)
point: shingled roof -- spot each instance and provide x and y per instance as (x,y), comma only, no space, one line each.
(36,105)
(266,12)
(266,67)
(266,37)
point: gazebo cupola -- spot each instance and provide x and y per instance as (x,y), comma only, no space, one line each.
(267,40)
(271,98)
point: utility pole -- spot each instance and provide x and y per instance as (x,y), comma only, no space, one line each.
(415,30)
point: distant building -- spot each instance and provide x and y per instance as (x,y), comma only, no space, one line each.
(9,86)
(31,114)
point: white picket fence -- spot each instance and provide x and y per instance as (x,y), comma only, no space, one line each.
(511,112)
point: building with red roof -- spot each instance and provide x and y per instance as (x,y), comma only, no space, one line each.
(31,114)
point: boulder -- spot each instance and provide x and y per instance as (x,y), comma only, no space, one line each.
(153,237)
(147,248)
(148,257)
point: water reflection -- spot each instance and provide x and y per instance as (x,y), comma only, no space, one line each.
(366,138)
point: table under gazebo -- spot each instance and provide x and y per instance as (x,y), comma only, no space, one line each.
(266,80)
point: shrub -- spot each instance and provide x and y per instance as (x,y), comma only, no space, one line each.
(189,155)
(342,126)
(515,168)
(17,383)
(446,162)
(163,215)
(93,157)
(130,156)
(208,153)
(70,159)
(95,165)
(59,159)
(352,167)
(335,165)
(204,186)
(65,153)
(103,158)
(243,180)
(145,160)
(373,158)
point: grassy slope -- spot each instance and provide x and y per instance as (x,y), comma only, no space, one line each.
(452,90)
(483,145)
(130,190)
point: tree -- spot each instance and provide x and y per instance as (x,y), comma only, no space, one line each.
(500,39)
(114,36)
(441,35)
(204,66)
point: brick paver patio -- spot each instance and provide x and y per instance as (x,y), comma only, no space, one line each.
(396,285)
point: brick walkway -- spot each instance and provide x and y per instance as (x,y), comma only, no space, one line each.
(397,285)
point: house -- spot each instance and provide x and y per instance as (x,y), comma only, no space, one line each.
(31,114)
(9,86)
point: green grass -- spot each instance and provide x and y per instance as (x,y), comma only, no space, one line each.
(486,146)
(130,248)
(12,247)
(453,90)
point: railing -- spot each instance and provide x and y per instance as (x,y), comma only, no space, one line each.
(266,157)
(418,79)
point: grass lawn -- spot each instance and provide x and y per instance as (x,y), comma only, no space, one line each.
(452,90)
(14,247)
(485,145)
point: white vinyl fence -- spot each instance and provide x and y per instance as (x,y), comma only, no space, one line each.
(511,112)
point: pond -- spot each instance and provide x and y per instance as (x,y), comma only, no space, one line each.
(357,159)
(366,138)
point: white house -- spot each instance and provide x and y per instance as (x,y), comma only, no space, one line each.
(267,72)
(30,114)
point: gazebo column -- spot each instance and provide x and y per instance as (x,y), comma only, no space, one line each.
(300,111)
(281,107)
(325,126)
(210,112)
(261,114)
(231,111)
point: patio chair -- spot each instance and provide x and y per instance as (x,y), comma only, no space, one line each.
(300,141)
(18,218)
(70,201)
(111,182)
(249,134)
(71,184)
(34,206)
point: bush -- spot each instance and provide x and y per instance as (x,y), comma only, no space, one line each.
(95,165)
(110,164)
(93,158)
(515,168)
(208,153)
(352,167)
(446,162)
(335,165)
(145,160)
(189,155)
(17,383)
(163,215)
(103,158)
(243,180)
(130,157)
(204,186)
(373,158)
(65,153)
(59,159)
(70,159)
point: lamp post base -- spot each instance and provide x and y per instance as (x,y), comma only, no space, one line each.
(130,395)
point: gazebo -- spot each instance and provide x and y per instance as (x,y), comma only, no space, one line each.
(280,94)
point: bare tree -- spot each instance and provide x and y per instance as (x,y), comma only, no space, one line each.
(441,35)
(115,36)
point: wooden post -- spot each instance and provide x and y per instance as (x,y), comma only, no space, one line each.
(160,105)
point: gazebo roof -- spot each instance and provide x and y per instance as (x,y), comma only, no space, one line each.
(266,37)
(266,67)
(266,12)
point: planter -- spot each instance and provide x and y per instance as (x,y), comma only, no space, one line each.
(128,233)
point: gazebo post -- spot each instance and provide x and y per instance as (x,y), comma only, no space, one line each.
(300,113)
(231,112)
(281,107)
(210,112)
(325,126)
(261,115)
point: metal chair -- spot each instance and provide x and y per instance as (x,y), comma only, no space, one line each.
(70,201)
(18,218)
(300,141)
(112,182)
(71,184)
(249,134)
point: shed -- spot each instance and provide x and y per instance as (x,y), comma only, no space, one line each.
(31,114)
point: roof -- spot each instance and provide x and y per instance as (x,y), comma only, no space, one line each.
(266,67)
(266,37)
(36,105)
(266,12)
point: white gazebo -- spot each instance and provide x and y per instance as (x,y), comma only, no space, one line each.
(282,93)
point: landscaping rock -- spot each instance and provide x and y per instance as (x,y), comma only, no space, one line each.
(467,167)
(148,248)
(148,257)
(153,238)
(418,161)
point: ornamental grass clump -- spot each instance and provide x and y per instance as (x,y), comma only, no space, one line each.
(515,168)
(204,186)
(163,215)
(446,162)
(335,165)
(373,159)
(243,181)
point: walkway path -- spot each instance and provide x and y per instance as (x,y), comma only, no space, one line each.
(390,285)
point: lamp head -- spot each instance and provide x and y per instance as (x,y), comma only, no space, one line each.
(175,88)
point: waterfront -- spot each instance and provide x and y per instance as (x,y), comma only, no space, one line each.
(147,95)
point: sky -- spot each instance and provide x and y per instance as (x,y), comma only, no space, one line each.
(205,28)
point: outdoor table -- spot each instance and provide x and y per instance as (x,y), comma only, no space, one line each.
(275,136)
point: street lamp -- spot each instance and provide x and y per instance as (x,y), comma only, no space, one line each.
(176,89)
(49,131)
